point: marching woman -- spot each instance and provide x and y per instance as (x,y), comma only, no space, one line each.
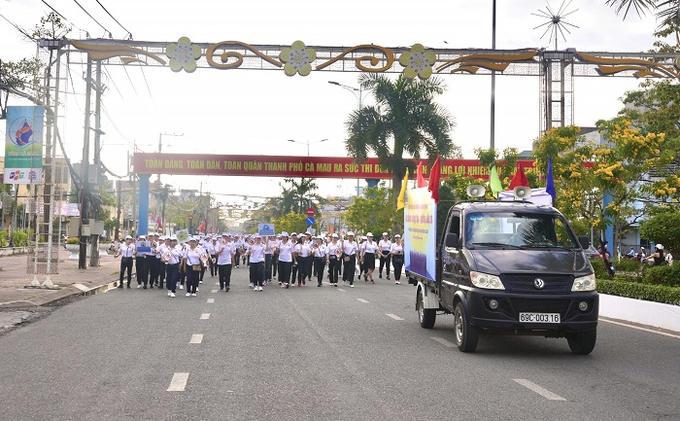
(225,255)
(285,251)
(127,250)
(368,251)
(191,262)
(302,256)
(333,257)
(255,255)
(397,253)
(294,268)
(349,249)
(319,252)
(384,247)
(172,256)
(268,250)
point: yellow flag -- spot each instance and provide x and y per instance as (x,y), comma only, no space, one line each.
(402,192)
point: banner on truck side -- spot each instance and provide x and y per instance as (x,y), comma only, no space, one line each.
(420,232)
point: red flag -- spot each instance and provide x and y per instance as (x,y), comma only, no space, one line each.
(159,223)
(420,180)
(519,179)
(202,227)
(433,184)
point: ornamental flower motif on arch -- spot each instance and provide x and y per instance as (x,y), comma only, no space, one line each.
(297,59)
(418,62)
(183,55)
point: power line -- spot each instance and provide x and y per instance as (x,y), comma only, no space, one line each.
(92,17)
(64,17)
(21,30)
(114,19)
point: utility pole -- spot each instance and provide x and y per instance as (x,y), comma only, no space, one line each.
(118,197)
(84,190)
(94,235)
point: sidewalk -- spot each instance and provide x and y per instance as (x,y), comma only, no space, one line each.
(70,281)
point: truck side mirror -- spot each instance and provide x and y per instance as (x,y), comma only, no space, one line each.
(452,240)
(584,240)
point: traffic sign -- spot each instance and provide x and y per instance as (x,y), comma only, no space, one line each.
(310,212)
(310,221)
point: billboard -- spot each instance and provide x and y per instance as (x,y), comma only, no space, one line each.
(24,145)
(420,233)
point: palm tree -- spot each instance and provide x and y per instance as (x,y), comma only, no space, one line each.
(296,197)
(667,11)
(405,119)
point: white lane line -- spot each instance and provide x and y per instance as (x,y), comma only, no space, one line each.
(538,389)
(214,291)
(342,290)
(362,300)
(443,342)
(644,329)
(178,382)
(394,316)
(205,316)
(217,283)
(211,300)
(196,339)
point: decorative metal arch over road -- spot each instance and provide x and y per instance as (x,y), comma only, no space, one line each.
(556,69)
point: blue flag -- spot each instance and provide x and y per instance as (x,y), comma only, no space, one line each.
(550,184)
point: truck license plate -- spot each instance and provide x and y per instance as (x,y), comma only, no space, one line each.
(539,317)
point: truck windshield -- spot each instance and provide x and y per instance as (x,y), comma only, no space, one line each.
(520,229)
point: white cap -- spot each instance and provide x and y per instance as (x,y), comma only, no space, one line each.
(350,233)
(142,237)
(128,237)
(293,234)
(659,246)
(370,234)
(334,235)
(284,234)
(384,233)
(193,239)
(397,236)
(173,238)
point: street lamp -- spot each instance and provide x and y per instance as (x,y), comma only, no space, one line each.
(352,89)
(307,143)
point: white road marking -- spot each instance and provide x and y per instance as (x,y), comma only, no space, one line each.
(394,316)
(211,300)
(217,283)
(644,329)
(196,339)
(538,389)
(443,342)
(205,316)
(214,291)
(342,290)
(178,382)
(362,300)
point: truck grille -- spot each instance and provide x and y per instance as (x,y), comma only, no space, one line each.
(525,282)
(523,305)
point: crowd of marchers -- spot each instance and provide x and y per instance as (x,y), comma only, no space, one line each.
(289,259)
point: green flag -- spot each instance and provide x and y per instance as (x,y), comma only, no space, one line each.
(495,182)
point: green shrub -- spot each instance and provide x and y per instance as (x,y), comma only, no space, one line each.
(19,239)
(657,293)
(3,239)
(662,275)
(600,270)
(627,265)
(73,240)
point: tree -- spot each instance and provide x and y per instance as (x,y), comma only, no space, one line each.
(373,212)
(664,228)
(291,222)
(296,197)
(405,119)
(667,12)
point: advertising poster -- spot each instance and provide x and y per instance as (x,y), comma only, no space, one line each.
(182,235)
(265,229)
(420,232)
(24,145)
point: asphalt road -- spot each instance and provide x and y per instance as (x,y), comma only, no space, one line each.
(315,354)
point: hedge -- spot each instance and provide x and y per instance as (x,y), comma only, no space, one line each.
(640,291)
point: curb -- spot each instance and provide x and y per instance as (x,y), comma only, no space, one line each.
(648,313)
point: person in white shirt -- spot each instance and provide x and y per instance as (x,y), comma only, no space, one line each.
(172,256)
(333,258)
(285,252)
(255,254)
(191,262)
(303,258)
(210,248)
(319,255)
(269,244)
(397,252)
(224,250)
(126,250)
(349,249)
(368,251)
(384,247)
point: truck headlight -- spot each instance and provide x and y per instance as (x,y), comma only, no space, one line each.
(486,281)
(584,283)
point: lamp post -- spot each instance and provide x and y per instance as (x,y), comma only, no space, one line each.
(307,143)
(352,89)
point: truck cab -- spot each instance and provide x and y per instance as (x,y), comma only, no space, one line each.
(511,268)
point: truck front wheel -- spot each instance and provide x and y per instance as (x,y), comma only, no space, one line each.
(582,343)
(466,334)
(426,316)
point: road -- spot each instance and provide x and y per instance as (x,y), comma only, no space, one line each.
(316,354)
